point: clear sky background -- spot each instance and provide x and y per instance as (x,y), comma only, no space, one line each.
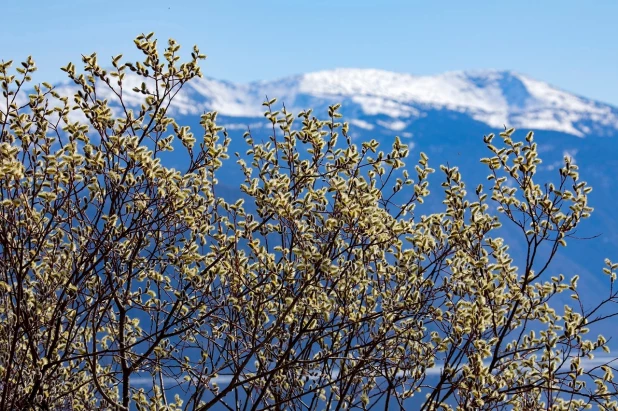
(570,44)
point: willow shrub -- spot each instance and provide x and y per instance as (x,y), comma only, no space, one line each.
(332,292)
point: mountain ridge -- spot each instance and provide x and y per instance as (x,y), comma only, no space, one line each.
(494,97)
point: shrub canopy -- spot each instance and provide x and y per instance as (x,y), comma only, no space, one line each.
(125,283)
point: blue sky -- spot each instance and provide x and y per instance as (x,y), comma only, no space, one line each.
(570,44)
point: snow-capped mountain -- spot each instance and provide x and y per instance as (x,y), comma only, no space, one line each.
(495,98)
(395,101)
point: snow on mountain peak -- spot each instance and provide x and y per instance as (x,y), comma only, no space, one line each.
(450,90)
(496,98)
